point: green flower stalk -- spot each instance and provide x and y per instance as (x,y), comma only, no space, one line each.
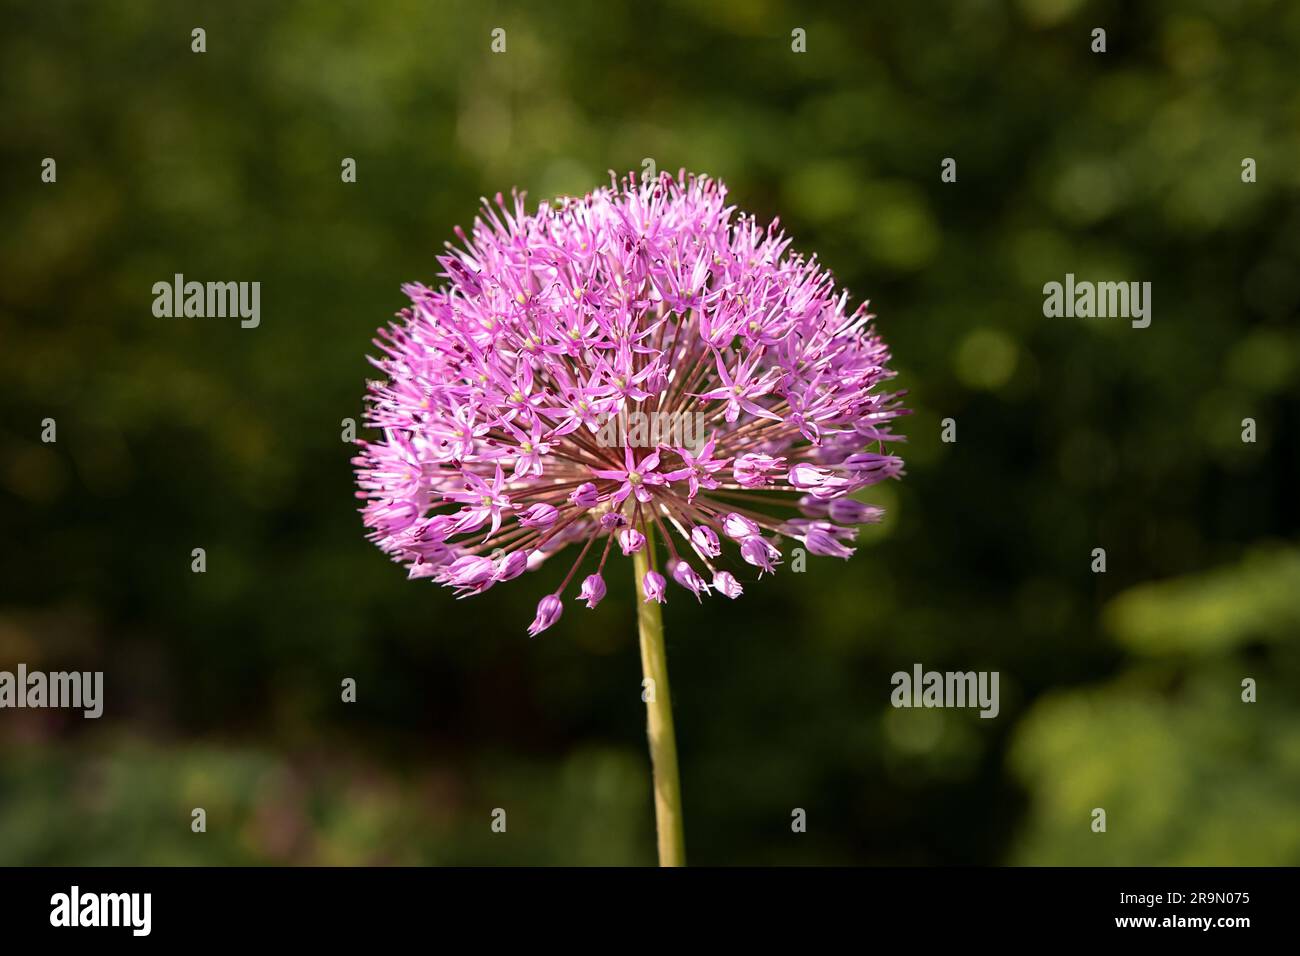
(659,718)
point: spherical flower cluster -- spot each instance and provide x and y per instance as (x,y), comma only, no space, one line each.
(512,395)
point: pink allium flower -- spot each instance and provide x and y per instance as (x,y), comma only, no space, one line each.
(635,299)
(724,582)
(654,587)
(593,589)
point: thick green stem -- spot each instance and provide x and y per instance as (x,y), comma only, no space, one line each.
(659,714)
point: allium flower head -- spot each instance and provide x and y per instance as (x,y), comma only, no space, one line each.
(555,330)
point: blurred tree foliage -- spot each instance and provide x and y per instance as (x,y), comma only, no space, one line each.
(1187,767)
(223,688)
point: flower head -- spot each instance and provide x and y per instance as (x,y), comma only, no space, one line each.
(651,299)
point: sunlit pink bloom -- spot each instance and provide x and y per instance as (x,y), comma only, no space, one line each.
(848,511)
(689,578)
(549,609)
(724,582)
(657,298)
(634,477)
(738,526)
(593,589)
(653,585)
(757,470)
(511,566)
(760,552)
(699,469)
(585,496)
(706,541)
(540,515)
(631,541)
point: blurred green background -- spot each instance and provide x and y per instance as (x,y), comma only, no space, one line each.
(1120,691)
